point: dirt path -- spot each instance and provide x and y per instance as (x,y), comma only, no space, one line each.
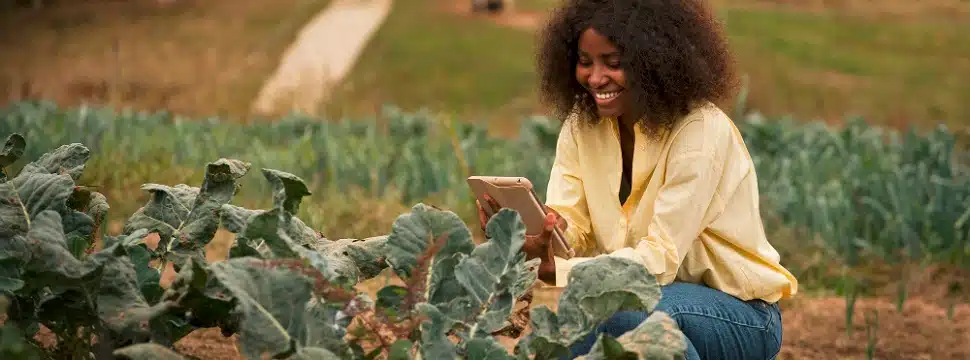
(320,57)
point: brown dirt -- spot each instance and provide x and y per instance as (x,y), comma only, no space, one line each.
(209,344)
(190,57)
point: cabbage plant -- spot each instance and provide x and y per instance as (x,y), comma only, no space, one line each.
(286,290)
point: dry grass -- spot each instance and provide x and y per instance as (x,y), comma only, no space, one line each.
(196,57)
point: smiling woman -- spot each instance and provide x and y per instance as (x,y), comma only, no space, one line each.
(648,168)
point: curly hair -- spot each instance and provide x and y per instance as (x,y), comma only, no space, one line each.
(673,54)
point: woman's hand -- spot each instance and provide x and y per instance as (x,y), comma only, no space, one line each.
(536,246)
(540,246)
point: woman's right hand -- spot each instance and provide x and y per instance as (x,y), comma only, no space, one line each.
(536,246)
(483,219)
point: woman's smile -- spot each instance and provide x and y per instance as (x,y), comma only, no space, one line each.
(606,97)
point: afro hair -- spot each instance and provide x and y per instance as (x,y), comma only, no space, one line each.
(673,54)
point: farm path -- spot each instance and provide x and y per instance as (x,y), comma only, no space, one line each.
(324,51)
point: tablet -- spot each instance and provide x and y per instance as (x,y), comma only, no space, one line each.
(517,193)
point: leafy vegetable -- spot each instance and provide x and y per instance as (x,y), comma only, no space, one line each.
(287,291)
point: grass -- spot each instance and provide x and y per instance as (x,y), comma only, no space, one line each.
(900,64)
(190,56)
(535,5)
(829,66)
(427,55)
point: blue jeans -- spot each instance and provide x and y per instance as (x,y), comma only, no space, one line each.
(718,326)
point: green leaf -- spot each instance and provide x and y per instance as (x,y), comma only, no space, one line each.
(435,343)
(167,208)
(40,192)
(12,150)
(66,159)
(400,350)
(288,190)
(656,338)
(313,353)
(411,236)
(14,346)
(119,301)
(597,289)
(267,323)
(366,255)
(102,288)
(235,218)
(488,262)
(486,349)
(51,263)
(495,274)
(266,227)
(203,220)
(391,299)
(14,251)
(606,347)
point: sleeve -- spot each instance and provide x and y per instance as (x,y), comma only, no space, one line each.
(565,192)
(681,210)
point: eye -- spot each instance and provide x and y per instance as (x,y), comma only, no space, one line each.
(613,62)
(584,61)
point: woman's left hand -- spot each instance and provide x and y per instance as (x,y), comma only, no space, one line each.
(540,246)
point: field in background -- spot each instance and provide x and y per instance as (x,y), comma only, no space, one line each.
(853,215)
(847,195)
(896,63)
(841,205)
(429,54)
(199,57)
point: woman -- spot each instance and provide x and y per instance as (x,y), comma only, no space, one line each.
(648,168)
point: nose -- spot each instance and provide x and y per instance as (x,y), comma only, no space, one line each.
(597,77)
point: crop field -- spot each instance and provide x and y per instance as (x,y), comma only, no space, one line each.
(855,210)
(167,230)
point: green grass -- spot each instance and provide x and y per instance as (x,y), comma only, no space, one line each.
(811,65)
(538,6)
(425,55)
(831,66)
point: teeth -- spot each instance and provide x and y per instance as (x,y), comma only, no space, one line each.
(606,96)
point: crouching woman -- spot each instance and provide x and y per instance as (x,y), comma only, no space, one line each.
(648,168)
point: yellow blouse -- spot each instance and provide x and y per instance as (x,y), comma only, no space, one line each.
(692,214)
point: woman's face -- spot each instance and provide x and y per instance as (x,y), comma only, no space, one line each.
(598,70)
